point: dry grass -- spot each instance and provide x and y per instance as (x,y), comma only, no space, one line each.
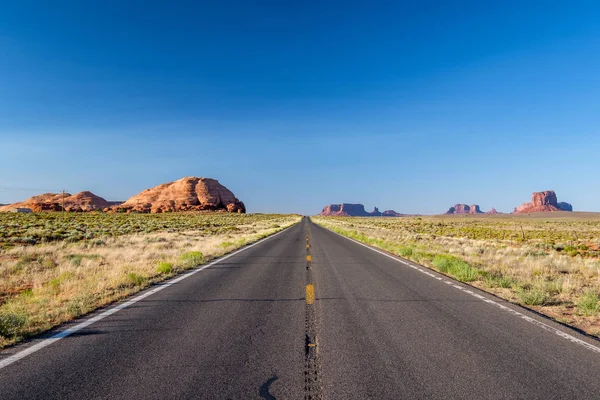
(45,285)
(550,264)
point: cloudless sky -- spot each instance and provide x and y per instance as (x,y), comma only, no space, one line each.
(411,106)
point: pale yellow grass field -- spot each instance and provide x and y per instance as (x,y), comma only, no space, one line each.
(46,285)
(555,270)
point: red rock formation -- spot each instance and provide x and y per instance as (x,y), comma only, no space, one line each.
(392,213)
(493,212)
(84,201)
(464,209)
(345,210)
(355,210)
(475,209)
(186,194)
(543,201)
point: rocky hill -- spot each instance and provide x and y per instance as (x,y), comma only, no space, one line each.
(355,210)
(185,194)
(83,201)
(543,201)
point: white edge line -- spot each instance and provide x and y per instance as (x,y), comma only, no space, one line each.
(534,321)
(163,285)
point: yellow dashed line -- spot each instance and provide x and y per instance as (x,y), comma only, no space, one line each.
(310,294)
(309,258)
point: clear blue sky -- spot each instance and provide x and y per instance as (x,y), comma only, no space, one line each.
(293,105)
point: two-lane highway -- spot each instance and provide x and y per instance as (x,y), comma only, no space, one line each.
(243,329)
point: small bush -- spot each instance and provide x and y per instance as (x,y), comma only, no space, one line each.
(11,323)
(81,305)
(226,244)
(589,304)
(191,259)
(75,259)
(504,282)
(164,268)
(136,279)
(405,251)
(533,297)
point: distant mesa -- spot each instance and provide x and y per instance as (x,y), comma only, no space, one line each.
(185,194)
(543,202)
(80,202)
(392,213)
(355,210)
(464,209)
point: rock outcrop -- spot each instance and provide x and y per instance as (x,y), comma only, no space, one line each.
(464,209)
(355,210)
(80,202)
(493,212)
(185,194)
(543,201)
(345,210)
(392,213)
(563,206)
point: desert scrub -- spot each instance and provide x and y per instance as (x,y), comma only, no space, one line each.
(38,228)
(46,284)
(589,304)
(548,261)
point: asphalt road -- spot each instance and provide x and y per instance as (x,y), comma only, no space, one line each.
(243,329)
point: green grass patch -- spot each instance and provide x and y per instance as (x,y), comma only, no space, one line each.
(405,251)
(164,268)
(136,279)
(455,267)
(499,282)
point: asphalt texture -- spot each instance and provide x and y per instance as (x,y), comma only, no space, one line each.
(243,329)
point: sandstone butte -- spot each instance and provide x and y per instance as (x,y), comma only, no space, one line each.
(464,209)
(543,201)
(355,210)
(185,194)
(80,202)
